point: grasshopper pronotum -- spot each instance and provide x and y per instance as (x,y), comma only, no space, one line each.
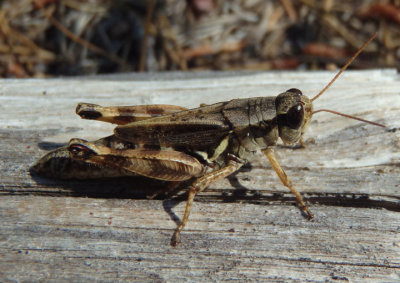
(203,144)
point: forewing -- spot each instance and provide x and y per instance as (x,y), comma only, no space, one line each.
(197,128)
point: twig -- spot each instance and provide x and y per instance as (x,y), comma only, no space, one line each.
(290,10)
(143,50)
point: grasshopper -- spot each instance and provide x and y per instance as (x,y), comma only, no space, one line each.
(203,144)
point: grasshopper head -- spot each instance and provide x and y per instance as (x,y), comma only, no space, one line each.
(294,111)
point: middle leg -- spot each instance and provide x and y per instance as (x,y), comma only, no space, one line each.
(199,185)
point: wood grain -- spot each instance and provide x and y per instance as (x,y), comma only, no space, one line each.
(243,228)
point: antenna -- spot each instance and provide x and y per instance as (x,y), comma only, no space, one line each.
(344,67)
(334,79)
(350,116)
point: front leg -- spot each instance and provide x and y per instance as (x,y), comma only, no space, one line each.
(201,184)
(269,152)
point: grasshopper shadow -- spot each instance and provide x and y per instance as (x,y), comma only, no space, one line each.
(136,187)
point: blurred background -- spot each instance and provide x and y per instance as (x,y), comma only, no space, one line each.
(47,38)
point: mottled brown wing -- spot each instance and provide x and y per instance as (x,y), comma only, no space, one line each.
(122,115)
(197,128)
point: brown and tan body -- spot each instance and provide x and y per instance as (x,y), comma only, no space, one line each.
(207,134)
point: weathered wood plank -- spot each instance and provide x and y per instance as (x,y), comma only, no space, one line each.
(64,238)
(245,227)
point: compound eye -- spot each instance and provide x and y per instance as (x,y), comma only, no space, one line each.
(80,151)
(296,91)
(295,116)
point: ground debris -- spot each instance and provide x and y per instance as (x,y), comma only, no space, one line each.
(40,38)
